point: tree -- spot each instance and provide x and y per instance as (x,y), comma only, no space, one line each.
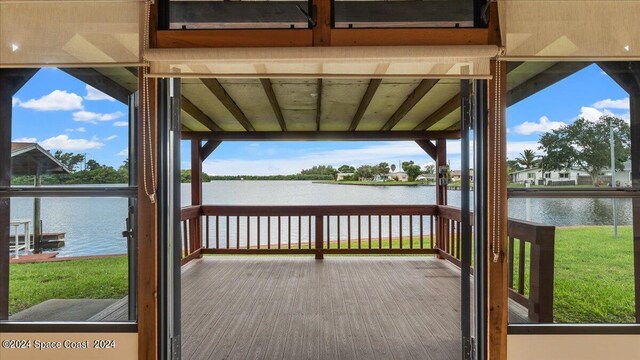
(430,169)
(346,169)
(528,159)
(70,160)
(382,169)
(365,172)
(413,171)
(321,170)
(393,167)
(406,164)
(585,144)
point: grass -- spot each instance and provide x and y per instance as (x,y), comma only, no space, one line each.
(31,284)
(593,275)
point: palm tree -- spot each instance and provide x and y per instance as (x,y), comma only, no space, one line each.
(528,159)
(393,167)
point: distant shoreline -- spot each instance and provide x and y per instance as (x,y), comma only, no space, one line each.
(373,183)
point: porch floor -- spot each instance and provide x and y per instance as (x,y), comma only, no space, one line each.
(266,307)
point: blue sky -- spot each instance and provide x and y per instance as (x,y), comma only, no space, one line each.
(63,113)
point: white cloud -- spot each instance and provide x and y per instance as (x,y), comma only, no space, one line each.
(110,137)
(543,125)
(25,140)
(15,101)
(612,104)
(120,123)
(58,100)
(93,118)
(124,152)
(94,94)
(80,129)
(63,142)
(592,114)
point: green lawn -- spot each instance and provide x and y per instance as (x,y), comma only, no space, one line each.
(593,275)
(31,284)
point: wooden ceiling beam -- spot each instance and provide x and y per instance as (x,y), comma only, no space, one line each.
(439,114)
(218,90)
(225,38)
(428,147)
(99,81)
(199,115)
(320,135)
(364,103)
(543,80)
(208,148)
(319,105)
(416,95)
(273,100)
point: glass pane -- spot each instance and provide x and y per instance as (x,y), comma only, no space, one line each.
(593,277)
(219,14)
(65,131)
(570,259)
(403,13)
(78,268)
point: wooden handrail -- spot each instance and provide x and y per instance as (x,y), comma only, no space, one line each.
(318,210)
(539,302)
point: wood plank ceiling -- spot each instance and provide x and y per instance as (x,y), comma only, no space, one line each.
(266,105)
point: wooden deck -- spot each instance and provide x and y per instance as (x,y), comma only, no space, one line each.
(339,308)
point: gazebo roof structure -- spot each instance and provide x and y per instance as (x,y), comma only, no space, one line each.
(33,159)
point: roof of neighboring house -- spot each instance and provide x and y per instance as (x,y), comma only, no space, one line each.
(30,158)
(538,169)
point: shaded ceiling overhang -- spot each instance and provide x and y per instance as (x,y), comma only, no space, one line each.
(32,159)
(437,62)
(575,30)
(71,33)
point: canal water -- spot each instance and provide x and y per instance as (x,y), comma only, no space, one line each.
(94,226)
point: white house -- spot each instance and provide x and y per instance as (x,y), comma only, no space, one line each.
(398,176)
(342,176)
(536,176)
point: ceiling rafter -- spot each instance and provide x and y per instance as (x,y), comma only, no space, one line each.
(543,80)
(439,114)
(320,135)
(218,90)
(416,95)
(364,103)
(319,105)
(273,100)
(199,115)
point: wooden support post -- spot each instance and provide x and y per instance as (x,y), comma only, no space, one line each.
(541,275)
(196,192)
(147,236)
(634,99)
(11,80)
(322,15)
(497,215)
(441,193)
(5,180)
(319,236)
(37,226)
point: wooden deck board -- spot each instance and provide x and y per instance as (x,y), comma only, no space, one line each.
(338,308)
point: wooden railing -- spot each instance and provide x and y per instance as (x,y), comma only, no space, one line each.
(379,229)
(536,241)
(319,230)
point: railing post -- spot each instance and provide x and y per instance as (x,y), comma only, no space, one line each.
(541,275)
(319,237)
